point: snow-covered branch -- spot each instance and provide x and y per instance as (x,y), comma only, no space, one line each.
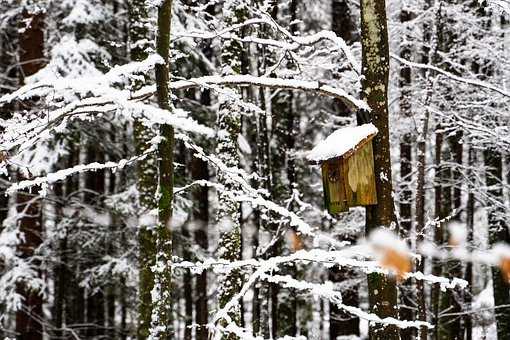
(292,84)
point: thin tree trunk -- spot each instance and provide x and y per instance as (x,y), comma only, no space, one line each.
(162,325)
(146,174)
(437,266)
(420,214)
(406,290)
(60,280)
(375,70)
(95,188)
(186,243)
(470,222)
(199,171)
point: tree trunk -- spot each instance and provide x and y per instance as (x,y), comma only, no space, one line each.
(200,195)
(229,126)
(95,188)
(146,174)
(199,171)
(437,267)
(29,319)
(375,70)
(406,290)
(420,221)
(162,292)
(186,241)
(498,232)
(342,323)
(449,327)
(470,222)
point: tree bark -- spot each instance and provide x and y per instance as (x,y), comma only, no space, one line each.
(200,195)
(470,222)
(375,71)
(406,154)
(199,171)
(342,323)
(29,319)
(498,232)
(146,174)
(162,293)
(229,125)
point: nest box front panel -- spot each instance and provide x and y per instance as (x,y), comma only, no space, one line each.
(360,178)
(334,187)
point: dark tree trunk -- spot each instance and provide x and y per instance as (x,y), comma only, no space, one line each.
(186,242)
(342,323)
(162,308)
(449,326)
(60,280)
(110,312)
(498,232)
(406,290)
(200,196)
(437,267)
(29,319)
(199,171)
(470,222)
(95,188)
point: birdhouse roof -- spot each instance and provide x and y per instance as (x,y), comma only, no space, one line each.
(342,142)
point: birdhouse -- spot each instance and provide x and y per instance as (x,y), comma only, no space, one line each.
(347,163)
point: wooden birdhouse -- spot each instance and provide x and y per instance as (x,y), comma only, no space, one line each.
(347,163)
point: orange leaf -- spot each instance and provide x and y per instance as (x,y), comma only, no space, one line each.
(396,261)
(505,268)
(296,241)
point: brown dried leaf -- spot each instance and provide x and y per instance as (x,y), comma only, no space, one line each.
(396,261)
(4,155)
(296,241)
(505,268)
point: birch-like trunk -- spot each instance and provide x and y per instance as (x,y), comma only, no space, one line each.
(229,128)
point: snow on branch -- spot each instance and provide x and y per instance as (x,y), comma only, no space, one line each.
(292,84)
(249,194)
(473,82)
(23,134)
(64,173)
(97,85)
(347,257)
(326,291)
(295,41)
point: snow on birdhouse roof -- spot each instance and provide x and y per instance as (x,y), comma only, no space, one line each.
(341,142)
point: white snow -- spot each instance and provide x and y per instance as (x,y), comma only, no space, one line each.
(385,239)
(458,233)
(340,142)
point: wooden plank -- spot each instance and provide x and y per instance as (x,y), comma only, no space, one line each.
(334,190)
(350,195)
(360,178)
